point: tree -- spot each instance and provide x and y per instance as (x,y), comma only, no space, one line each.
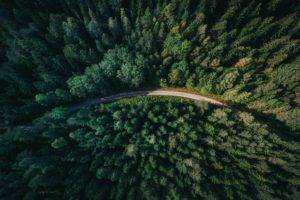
(46,99)
(176,46)
(131,75)
(77,85)
(179,73)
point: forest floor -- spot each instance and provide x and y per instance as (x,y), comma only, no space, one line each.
(157,92)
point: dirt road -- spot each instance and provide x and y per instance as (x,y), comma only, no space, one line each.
(158,92)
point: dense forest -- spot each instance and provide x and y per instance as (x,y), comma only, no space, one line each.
(150,149)
(55,53)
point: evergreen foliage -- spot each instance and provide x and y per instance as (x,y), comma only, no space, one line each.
(149,149)
(55,53)
(233,48)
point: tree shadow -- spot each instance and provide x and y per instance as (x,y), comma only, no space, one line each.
(279,127)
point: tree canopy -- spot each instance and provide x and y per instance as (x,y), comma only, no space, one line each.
(56,53)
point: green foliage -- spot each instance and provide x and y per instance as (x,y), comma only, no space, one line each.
(54,53)
(179,149)
(96,48)
(118,65)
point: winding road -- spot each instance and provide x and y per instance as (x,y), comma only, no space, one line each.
(158,92)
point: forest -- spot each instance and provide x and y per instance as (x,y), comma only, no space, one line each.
(56,53)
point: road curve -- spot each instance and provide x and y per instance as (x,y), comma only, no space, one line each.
(158,92)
